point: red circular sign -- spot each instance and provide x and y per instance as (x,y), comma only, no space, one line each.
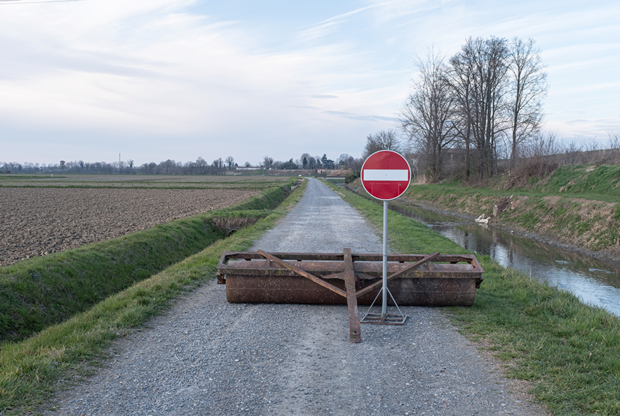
(386,175)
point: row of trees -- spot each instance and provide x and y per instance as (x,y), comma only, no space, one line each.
(538,156)
(308,162)
(171,167)
(486,99)
(168,167)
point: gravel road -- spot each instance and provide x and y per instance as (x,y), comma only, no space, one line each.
(209,357)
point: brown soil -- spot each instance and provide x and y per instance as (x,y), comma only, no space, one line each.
(38,221)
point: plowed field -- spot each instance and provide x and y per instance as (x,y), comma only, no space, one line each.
(38,221)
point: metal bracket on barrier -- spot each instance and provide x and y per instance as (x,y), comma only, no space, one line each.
(390,319)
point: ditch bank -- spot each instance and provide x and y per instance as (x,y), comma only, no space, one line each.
(588,226)
(47,290)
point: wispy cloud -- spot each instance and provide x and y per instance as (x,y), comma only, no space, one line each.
(151,69)
(361,117)
(329,26)
(158,77)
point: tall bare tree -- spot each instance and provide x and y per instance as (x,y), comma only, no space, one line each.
(488,63)
(429,117)
(460,77)
(383,140)
(528,86)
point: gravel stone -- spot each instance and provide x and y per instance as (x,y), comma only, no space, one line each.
(207,356)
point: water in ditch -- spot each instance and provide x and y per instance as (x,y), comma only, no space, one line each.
(594,281)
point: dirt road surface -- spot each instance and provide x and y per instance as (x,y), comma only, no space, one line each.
(208,357)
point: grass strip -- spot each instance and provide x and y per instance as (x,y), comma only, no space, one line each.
(433,192)
(229,185)
(588,221)
(30,370)
(569,351)
(43,291)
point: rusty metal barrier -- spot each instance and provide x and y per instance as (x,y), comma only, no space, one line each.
(348,278)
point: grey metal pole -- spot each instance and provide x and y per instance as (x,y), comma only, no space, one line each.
(385,252)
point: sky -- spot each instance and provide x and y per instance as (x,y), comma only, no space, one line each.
(178,79)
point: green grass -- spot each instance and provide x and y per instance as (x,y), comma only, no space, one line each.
(556,218)
(570,352)
(601,183)
(601,180)
(30,370)
(435,191)
(157,185)
(10,176)
(43,291)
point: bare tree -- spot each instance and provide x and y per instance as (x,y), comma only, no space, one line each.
(429,115)
(312,162)
(230,161)
(383,140)
(343,160)
(217,164)
(528,86)
(614,140)
(267,162)
(614,147)
(201,164)
(317,161)
(460,77)
(489,64)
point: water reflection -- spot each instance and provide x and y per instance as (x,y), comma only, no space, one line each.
(594,281)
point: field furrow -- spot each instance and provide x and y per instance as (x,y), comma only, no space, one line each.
(39,221)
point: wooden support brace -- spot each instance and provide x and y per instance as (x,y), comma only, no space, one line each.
(349,281)
(303,273)
(393,275)
(355,331)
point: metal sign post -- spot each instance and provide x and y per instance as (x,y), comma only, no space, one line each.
(385,250)
(385,175)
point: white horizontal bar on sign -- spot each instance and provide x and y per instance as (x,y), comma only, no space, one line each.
(386,175)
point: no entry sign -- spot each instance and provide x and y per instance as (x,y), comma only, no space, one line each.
(386,175)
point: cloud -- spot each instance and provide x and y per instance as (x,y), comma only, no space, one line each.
(158,77)
(361,117)
(329,26)
(150,75)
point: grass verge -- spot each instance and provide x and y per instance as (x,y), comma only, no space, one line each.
(43,291)
(30,370)
(569,351)
(588,221)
